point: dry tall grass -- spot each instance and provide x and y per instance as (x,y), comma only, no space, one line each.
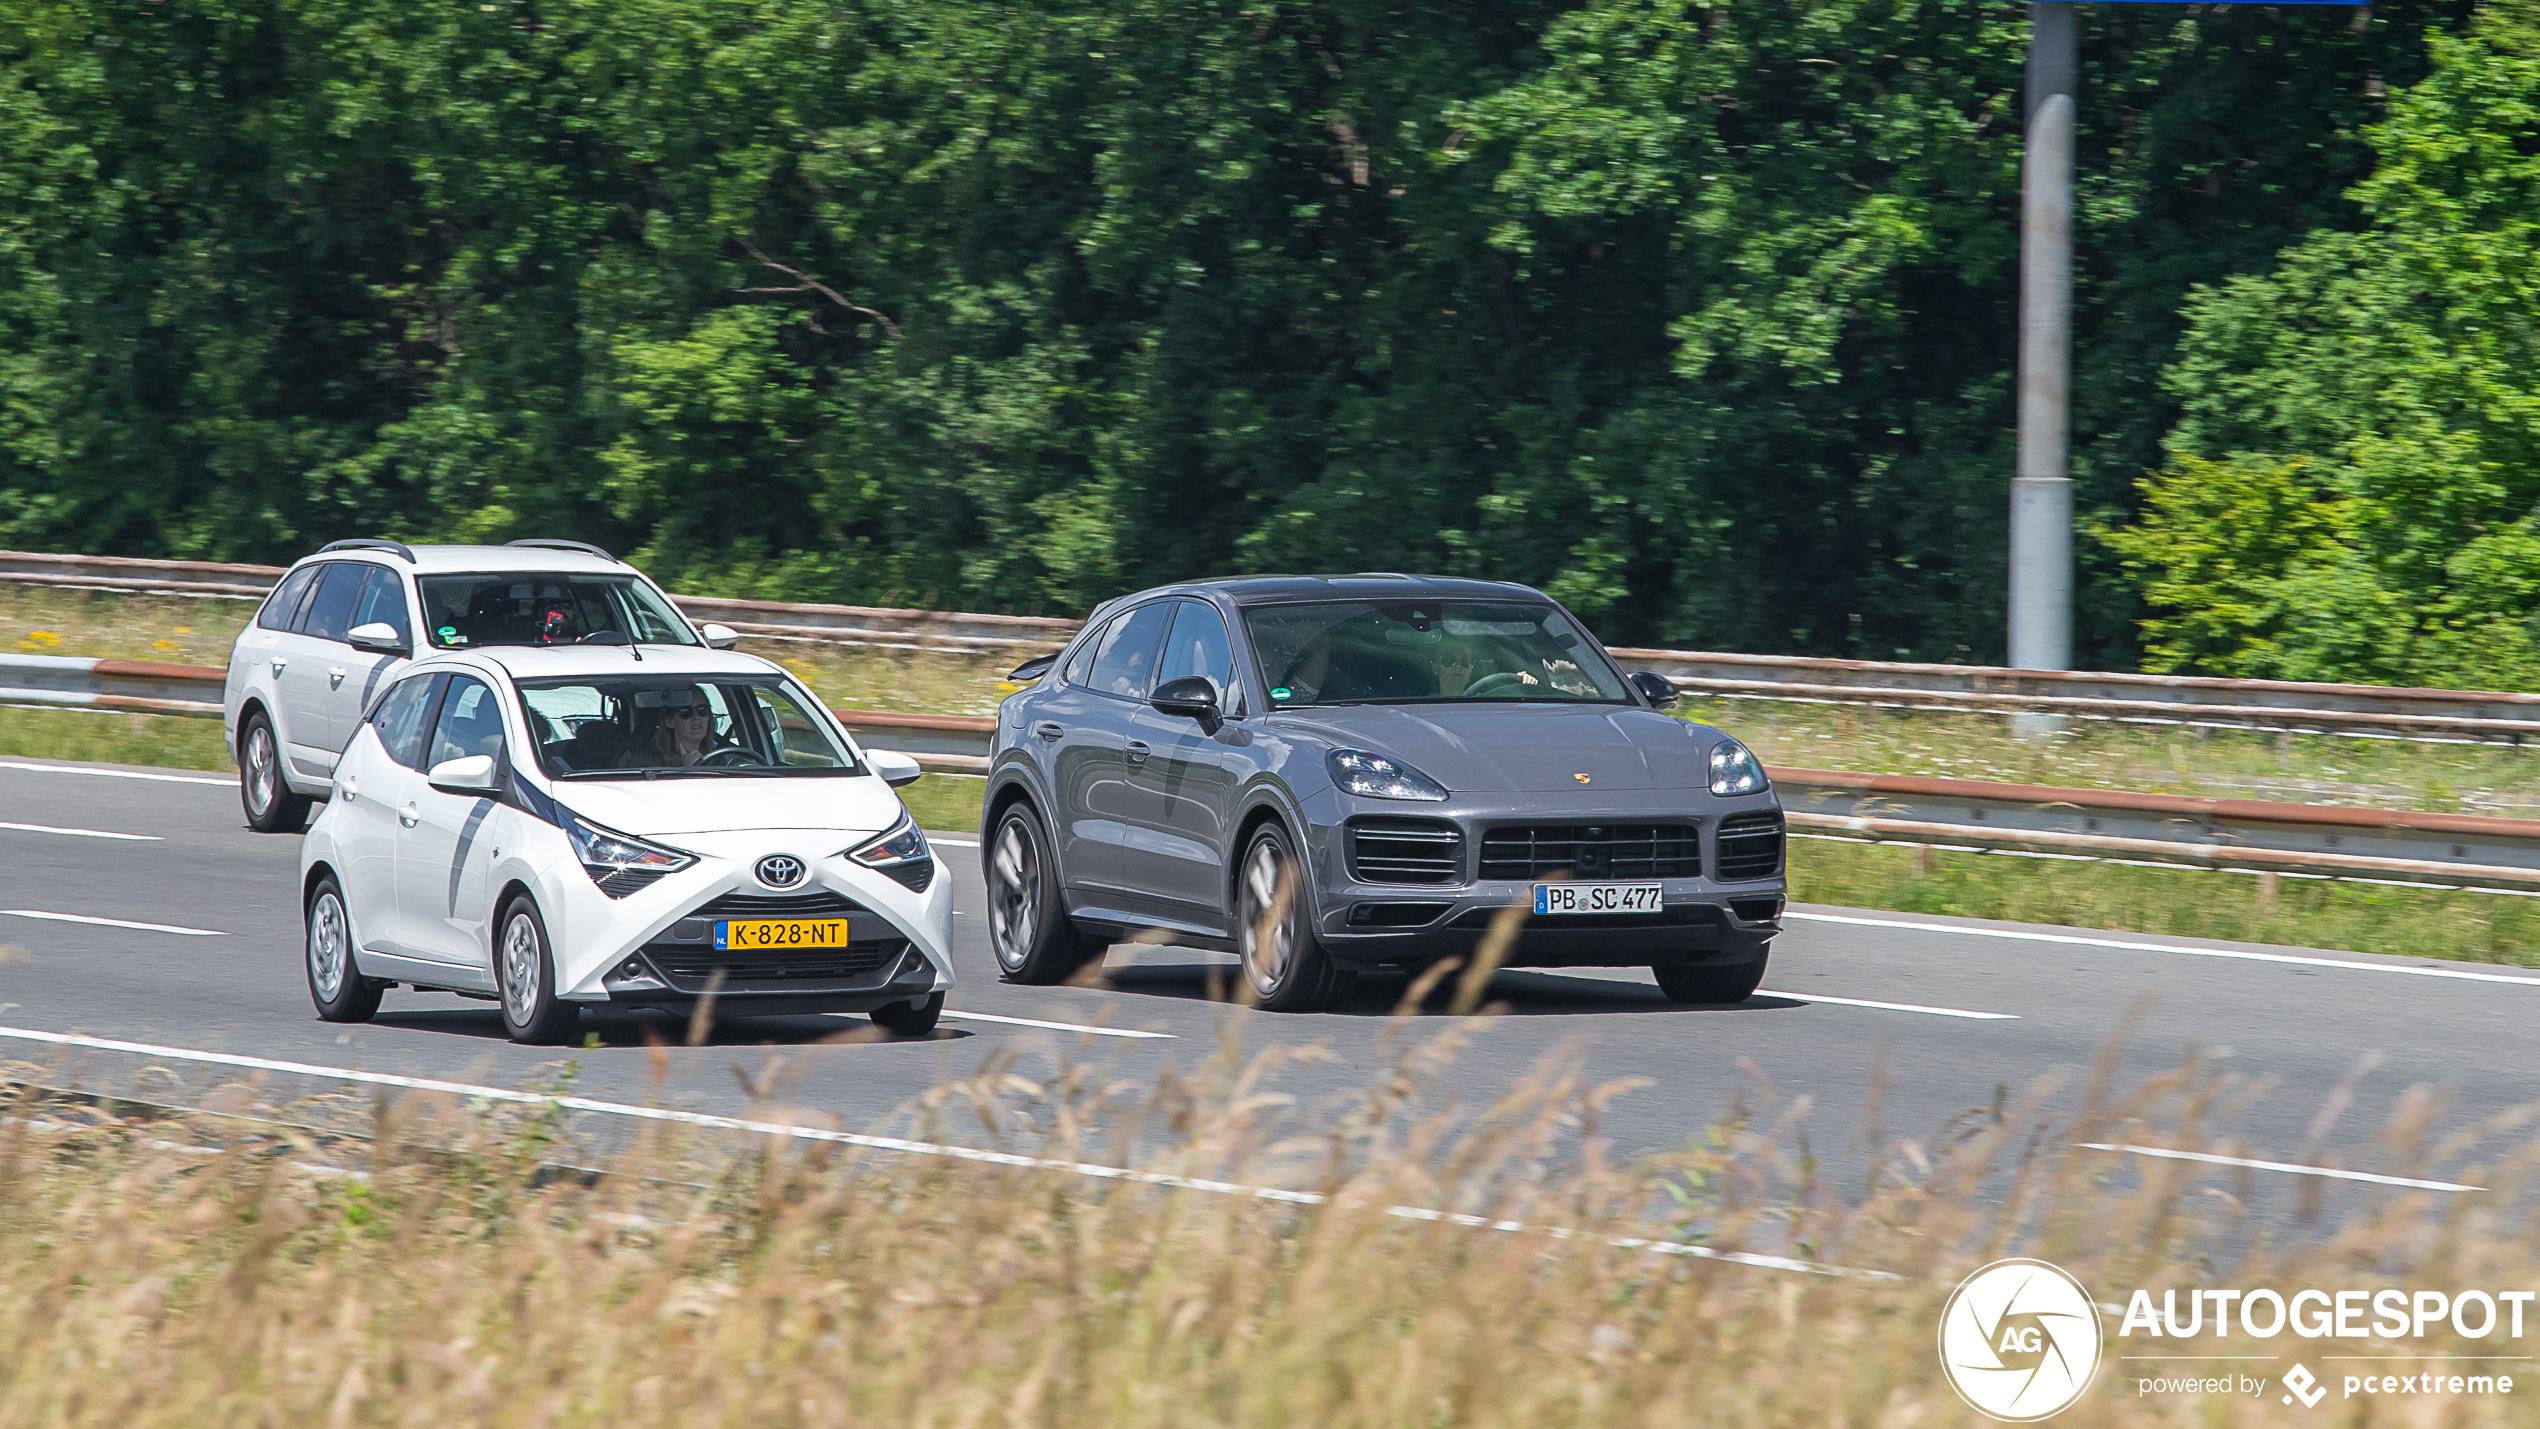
(434,1270)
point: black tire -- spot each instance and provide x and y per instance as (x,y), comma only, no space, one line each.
(525,978)
(1723,983)
(262,790)
(336,984)
(910,1019)
(1284,966)
(1028,927)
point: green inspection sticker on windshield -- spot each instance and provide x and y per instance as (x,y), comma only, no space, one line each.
(1281,693)
(450,635)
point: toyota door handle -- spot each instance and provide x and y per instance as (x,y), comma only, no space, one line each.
(1138,751)
(408,814)
(351,787)
(278,662)
(1050,732)
(334,676)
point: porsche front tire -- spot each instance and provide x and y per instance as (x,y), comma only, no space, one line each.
(1028,927)
(1734,982)
(1285,967)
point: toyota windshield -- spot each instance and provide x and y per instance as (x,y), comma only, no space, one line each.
(663,726)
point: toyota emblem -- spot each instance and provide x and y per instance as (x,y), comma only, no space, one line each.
(781,870)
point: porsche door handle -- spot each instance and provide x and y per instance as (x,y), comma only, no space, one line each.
(1050,731)
(409,814)
(1138,751)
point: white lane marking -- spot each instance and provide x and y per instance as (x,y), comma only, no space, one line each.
(1891,1006)
(2168,1155)
(118,774)
(1055,1026)
(893,1143)
(111,922)
(79,833)
(952,843)
(2460,974)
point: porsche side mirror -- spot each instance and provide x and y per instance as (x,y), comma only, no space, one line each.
(1191,697)
(1655,688)
(469,774)
(1031,669)
(378,638)
(719,637)
(896,769)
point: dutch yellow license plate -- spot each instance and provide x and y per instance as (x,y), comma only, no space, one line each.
(780,933)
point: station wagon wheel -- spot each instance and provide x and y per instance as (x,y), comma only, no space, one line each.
(271,806)
(336,984)
(1028,926)
(1285,968)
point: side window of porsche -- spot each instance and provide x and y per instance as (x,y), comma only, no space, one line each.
(1125,665)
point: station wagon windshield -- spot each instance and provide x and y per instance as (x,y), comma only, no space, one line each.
(1361,652)
(666,727)
(531,608)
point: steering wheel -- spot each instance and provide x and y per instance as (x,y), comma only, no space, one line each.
(735,755)
(1493,684)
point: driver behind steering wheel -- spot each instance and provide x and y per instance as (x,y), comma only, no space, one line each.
(686,732)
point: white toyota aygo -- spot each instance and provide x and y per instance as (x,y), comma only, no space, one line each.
(624,826)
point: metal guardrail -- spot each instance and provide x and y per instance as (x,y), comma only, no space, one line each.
(2445,850)
(2470,715)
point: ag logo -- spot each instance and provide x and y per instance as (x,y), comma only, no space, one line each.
(2019,1340)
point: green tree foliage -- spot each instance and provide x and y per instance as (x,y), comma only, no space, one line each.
(1699,314)
(2390,380)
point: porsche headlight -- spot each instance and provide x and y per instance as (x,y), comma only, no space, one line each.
(1735,769)
(902,843)
(1376,776)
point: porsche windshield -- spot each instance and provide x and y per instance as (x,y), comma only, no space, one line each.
(1359,652)
(638,728)
(529,608)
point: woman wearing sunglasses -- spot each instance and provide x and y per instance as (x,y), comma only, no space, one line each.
(686,731)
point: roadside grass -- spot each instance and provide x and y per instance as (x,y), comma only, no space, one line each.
(114,737)
(180,630)
(2473,927)
(2152,759)
(424,1262)
(946,802)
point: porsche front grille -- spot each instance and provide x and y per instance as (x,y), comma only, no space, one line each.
(1591,851)
(1405,851)
(1750,846)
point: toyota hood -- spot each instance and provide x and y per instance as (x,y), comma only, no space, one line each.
(1486,748)
(715,804)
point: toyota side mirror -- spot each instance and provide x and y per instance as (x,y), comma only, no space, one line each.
(896,769)
(468,774)
(1192,697)
(719,637)
(378,638)
(1655,688)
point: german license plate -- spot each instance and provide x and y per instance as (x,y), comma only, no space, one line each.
(780,933)
(1600,897)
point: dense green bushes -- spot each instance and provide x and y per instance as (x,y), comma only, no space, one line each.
(1699,314)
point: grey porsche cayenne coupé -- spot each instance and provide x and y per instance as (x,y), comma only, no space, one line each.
(1335,775)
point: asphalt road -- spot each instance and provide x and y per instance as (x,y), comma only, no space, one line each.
(1890,1026)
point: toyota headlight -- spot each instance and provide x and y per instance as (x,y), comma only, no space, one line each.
(902,843)
(619,863)
(1375,776)
(1735,769)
